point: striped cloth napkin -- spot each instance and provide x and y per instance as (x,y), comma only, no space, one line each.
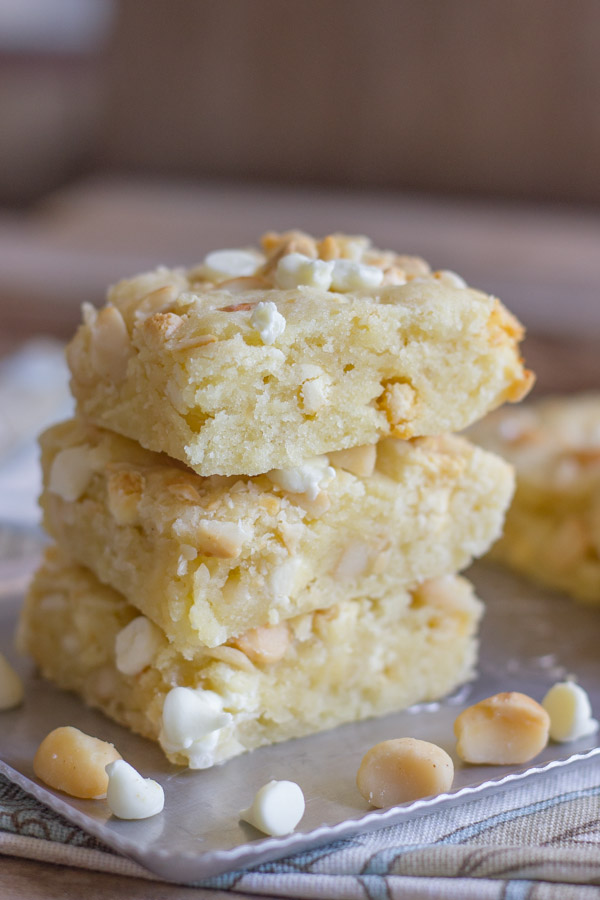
(537,841)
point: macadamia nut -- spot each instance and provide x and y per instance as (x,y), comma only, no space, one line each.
(505,729)
(402,770)
(71,761)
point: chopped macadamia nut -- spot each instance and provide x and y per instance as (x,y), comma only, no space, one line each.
(221,264)
(357,460)
(110,347)
(11,686)
(136,645)
(402,770)
(129,795)
(75,763)
(505,729)
(277,808)
(70,473)
(268,321)
(398,404)
(266,644)
(570,711)
(223,540)
(124,492)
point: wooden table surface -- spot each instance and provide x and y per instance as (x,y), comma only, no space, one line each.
(24,879)
(545,264)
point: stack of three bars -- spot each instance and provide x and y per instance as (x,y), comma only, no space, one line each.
(289,565)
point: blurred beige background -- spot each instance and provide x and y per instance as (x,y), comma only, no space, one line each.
(486,97)
(480,96)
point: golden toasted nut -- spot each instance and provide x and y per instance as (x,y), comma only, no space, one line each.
(505,729)
(74,762)
(110,346)
(402,770)
(265,644)
(357,460)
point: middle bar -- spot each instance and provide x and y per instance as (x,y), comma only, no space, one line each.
(208,558)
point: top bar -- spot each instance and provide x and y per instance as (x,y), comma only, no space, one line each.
(259,360)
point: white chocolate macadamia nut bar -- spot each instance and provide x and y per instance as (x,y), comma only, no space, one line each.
(359,658)
(261,359)
(209,558)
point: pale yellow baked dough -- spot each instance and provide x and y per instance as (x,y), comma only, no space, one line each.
(175,362)
(208,558)
(552,531)
(358,659)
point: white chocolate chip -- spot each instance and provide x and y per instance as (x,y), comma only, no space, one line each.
(506,729)
(295,269)
(277,808)
(136,645)
(310,478)
(11,686)
(129,796)
(570,711)
(403,770)
(191,721)
(221,264)
(70,472)
(354,276)
(201,754)
(268,321)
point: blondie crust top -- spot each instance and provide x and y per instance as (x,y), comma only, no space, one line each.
(257,360)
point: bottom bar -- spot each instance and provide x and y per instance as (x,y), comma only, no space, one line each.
(358,659)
